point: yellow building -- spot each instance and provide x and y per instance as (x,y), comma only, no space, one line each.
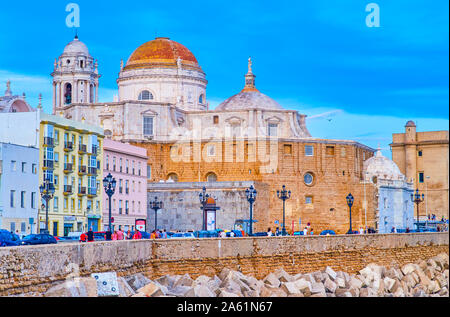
(71,156)
(423,158)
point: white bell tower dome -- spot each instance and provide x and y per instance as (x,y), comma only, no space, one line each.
(75,76)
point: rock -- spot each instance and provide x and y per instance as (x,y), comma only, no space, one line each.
(184,280)
(202,280)
(443,291)
(278,292)
(309,278)
(265,291)
(366,272)
(179,291)
(434,287)
(331,273)
(290,288)
(200,291)
(318,277)
(283,276)
(410,280)
(225,271)
(125,290)
(252,293)
(367,292)
(330,285)
(106,284)
(343,292)
(378,270)
(79,287)
(408,268)
(340,282)
(429,272)
(272,280)
(355,283)
(152,289)
(231,286)
(224,293)
(214,284)
(137,281)
(139,295)
(388,284)
(297,276)
(167,280)
(318,288)
(304,286)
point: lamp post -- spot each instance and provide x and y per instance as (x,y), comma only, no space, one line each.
(284,195)
(417,199)
(203,197)
(109,183)
(156,205)
(47,190)
(251,197)
(350,200)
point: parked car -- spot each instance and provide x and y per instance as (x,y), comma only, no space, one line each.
(183,235)
(260,234)
(298,233)
(8,239)
(327,232)
(42,238)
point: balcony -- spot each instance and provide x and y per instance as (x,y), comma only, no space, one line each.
(126,211)
(92,171)
(127,191)
(48,141)
(82,149)
(92,192)
(82,170)
(81,191)
(68,146)
(68,168)
(67,189)
(47,164)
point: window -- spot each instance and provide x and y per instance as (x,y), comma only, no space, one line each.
(22,199)
(421,177)
(33,200)
(309,150)
(343,154)
(66,203)
(126,207)
(308,200)
(114,164)
(329,150)
(126,187)
(148,126)
(107,162)
(211,177)
(149,172)
(24,167)
(56,155)
(211,149)
(120,186)
(55,180)
(13,166)
(145,95)
(216,119)
(308,179)
(126,166)
(23,227)
(172,177)
(120,165)
(272,129)
(33,168)
(419,153)
(139,169)
(201,99)
(55,203)
(11,198)
(120,207)
(288,149)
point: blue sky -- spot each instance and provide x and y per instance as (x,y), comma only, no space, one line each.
(317,57)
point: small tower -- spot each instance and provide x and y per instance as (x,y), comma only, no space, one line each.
(75,76)
(411,152)
(250,78)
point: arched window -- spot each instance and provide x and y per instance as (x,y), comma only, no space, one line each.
(91,94)
(172,177)
(145,95)
(68,94)
(201,99)
(211,177)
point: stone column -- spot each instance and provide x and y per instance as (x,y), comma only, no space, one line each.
(96,91)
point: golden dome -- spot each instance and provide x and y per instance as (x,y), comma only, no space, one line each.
(161,52)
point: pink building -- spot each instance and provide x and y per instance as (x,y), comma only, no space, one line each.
(128,165)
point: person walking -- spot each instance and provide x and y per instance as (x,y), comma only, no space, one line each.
(114,235)
(305,231)
(312,232)
(269,232)
(108,235)
(90,235)
(153,235)
(137,235)
(129,236)
(120,234)
(164,234)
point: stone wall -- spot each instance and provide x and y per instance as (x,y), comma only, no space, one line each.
(36,268)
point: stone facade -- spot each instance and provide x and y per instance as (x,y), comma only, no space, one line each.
(424,159)
(37,268)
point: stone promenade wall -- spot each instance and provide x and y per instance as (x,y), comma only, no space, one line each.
(36,268)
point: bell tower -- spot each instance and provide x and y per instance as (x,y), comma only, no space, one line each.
(75,76)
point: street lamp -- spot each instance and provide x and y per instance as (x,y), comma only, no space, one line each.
(417,200)
(350,200)
(156,205)
(109,183)
(47,191)
(251,197)
(284,195)
(203,197)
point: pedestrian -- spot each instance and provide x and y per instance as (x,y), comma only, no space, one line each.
(361,230)
(120,234)
(232,234)
(269,232)
(137,235)
(312,232)
(277,231)
(108,235)
(305,231)
(153,235)
(407,229)
(158,234)
(129,236)
(83,237)
(90,235)
(114,235)
(164,234)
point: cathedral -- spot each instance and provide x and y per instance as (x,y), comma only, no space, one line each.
(249,138)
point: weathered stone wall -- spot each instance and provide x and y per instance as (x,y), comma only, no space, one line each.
(36,268)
